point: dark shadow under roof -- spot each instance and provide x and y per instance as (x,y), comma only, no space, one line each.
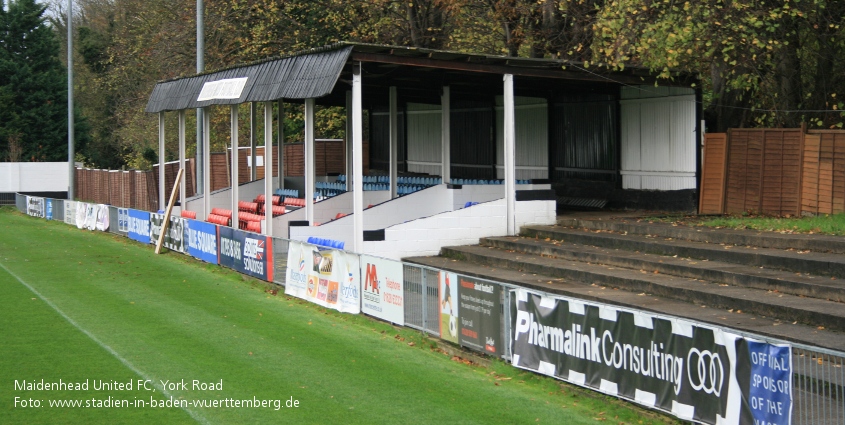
(420,72)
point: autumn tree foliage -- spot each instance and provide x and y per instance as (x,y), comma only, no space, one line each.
(761,62)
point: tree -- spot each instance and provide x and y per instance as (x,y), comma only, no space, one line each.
(33,90)
(769,63)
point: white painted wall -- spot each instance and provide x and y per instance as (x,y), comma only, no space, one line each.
(34,176)
(461,227)
(658,138)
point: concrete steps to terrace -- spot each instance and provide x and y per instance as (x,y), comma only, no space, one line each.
(790,287)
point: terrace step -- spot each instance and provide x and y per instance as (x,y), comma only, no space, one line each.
(797,261)
(778,281)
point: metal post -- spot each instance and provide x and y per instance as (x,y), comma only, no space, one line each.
(309,161)
(394,143)
(206,163)
(201,180)
(182,190)
(235,193)
(161,175)
(357,160)
(268,168)
(349,142)
(509,152)
(445,135)
(281,143)
(71,148)
(253,172)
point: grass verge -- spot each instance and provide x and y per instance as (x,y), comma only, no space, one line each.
(136,315)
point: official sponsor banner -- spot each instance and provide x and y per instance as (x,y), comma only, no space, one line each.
(481,313)
(174,239)
(48,209)
(764,372)
(449,307)
(248,253)
(35,206)
(70,212)
(328,277)
(670,364)
(201,240)
(382,293)
(138,226)
(123,220)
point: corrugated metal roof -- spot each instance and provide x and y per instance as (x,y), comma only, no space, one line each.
(298,77)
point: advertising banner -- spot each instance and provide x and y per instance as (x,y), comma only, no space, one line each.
(764,372)
(447,296)
(174,239)
(139,226)
(327,277)
(670,364)
(70,212)
(382,294)
(35,206)
(81,211)
(102,214)
(248,253)
(481,315)
(48,209)
(123,220)
(201,240)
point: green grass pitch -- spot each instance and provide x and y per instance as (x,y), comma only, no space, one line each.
(82,306)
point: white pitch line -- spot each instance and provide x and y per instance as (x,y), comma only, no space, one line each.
(196,416)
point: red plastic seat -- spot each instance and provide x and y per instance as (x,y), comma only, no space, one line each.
(189,214)
(221,211)
(253,226)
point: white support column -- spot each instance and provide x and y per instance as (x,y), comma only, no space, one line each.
(161,185)
(309,161)
(233,114)
(206,162)
(357,161)
(394,142)
(268,168)
(252,136)
(281,143)
(349,142)
(509,155)
(182,190)
(445,135)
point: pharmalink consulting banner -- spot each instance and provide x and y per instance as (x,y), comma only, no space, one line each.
(139,226)
(327,277)
(174,239)
(382,293)
(692,371)
(201,240)
(248,253)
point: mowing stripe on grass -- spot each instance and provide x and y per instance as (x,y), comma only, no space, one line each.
(197,417)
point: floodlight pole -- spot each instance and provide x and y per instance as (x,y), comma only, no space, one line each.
(70,128)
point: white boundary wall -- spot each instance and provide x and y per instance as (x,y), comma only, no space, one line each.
(34,176)
(423,222)
(658,138)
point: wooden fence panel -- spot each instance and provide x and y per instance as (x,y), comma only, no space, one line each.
(810,171)
(712,193)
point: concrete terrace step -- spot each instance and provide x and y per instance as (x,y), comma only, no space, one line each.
(798,261)
(789,308)
(742,321)
(832,289)
(801,242)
